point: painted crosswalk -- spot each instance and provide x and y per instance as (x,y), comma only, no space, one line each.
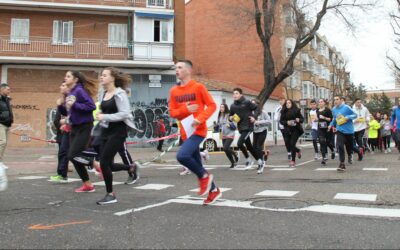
(355,196)
(277,193)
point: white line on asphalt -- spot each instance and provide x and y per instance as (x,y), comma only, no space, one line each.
(32,177)
(47,157)
(330,209)
(375,169)
(277,193)
(277,166)
(355,196)
(68,181)
(169,168)
(154,186)
(283,169)
(326,169)
(222,189)
(304,163)
(101,183)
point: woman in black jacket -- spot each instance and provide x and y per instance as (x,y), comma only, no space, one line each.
(325,136)
(291,119)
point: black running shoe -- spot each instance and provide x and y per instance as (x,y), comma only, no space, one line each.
(333,155)
(341,167)
(233,165)
(132,179)
(108,199)
(323,162)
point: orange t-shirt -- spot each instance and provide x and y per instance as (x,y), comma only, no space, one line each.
(192,93)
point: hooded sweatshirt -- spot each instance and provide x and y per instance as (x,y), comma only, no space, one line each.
(362,119)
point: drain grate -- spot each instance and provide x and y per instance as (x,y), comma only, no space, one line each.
(280,203)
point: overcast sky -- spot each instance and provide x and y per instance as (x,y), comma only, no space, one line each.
(366,52)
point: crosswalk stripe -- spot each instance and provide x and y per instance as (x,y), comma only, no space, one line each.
(375,169)
(154,186)
(277,193)
(355,196)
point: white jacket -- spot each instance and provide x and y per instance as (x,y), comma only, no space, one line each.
(363,113)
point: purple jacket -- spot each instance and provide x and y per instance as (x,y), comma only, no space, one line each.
(82,109)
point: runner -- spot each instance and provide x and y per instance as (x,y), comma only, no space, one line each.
(360,123)
(386,132)
(190,99)
(6,119)
(292,119)
(277,118)
(325,136)
(342,120)
(114,119)
(395,122)
(259,136)
(374,127)
(242,113)
(79,105)
(228,129)
(63,134)
(314,127)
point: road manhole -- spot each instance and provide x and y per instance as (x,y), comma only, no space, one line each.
(280,203)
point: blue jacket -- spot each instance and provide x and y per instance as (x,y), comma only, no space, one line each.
(82,109)
(396,115)
(349,114)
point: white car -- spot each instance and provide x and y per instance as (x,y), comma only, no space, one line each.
(213,141)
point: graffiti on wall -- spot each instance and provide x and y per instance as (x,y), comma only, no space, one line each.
(145,118)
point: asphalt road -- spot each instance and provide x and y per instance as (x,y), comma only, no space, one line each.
(281,208)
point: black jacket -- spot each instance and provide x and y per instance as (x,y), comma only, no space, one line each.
(244,109)
(6,114)
(290,115)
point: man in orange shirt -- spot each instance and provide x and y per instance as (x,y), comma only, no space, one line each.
(192,98)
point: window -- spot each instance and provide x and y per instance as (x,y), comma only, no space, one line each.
(62,32)
(117,35)
(156,3)
(160,31)
(288,14)
(19,30)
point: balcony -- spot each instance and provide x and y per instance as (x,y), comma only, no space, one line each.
(40,47)
(161,4)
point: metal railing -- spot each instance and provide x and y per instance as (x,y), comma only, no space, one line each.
(164,4)
(84,49)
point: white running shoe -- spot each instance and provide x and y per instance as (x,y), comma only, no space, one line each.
(389,150)
(316,156)
(3,179)
(249,164)
(185,171)
(205,155)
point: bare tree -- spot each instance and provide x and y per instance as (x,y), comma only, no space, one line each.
(265,14)
(395,23)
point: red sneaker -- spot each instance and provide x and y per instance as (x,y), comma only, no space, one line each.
(212,197)
(85,189)
(205,184)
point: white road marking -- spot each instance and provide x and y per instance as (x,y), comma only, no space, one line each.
(101,183)
(283,169)
(222,189)
(375,169)
(304,163)
(277,193)
(329,209)
(277,166)
(44,157)
(32,177)
(154,186)
(209,168)
(68,181)
(169,168)
(326,169)
(355,196)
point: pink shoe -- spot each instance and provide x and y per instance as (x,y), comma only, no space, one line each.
(85,189)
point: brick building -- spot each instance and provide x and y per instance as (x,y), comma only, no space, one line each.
(41,40)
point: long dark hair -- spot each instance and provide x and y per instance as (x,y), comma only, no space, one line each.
(121,80)
(226,110)
(294,106)
(91,85)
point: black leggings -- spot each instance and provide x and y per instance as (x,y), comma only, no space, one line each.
(374,143)
(111,143)
(245,139)
(79,140)
(325,140)
(293,137)
(258,142)
(343,140)
(386,141)
(228,150)
(285,136)
(359,138)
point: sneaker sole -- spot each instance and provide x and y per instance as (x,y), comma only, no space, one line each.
(91,191)
(212,202)
(133,182)
(211,179)
(106,203)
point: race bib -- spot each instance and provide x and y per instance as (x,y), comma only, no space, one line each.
(361,119)
(236,118)
(323,124)
(340,120)
(291,123)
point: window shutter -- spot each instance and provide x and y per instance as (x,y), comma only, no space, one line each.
(110,35)
(164,31)
(25,30)
(55,31)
